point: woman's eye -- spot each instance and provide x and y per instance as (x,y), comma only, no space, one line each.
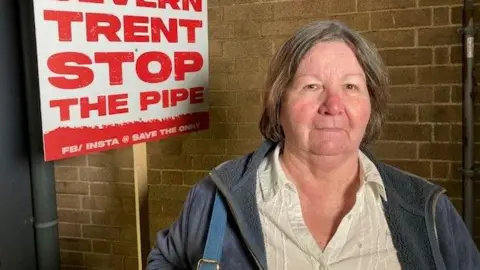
(312,86)
(350,86)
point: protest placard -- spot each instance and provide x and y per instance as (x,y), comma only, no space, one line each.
(119,72)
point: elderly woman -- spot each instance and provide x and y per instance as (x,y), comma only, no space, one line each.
(310,197)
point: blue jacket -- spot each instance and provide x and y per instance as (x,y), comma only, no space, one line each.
(427,231)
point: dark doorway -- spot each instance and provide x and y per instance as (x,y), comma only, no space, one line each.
(17,248)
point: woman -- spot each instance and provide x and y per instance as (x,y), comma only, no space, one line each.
(310,197)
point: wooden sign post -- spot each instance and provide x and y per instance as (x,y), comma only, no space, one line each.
(140,162)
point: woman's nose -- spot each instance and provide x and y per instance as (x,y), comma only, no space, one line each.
(332,105)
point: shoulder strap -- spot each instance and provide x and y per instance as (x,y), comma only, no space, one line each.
(213,247)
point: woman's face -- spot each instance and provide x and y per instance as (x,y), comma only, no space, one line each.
(326,109)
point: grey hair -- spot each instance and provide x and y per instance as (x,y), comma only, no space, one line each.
(286,60)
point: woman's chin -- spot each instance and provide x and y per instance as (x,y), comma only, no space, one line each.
(329,148)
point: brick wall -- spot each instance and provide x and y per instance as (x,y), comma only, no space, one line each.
(418,41)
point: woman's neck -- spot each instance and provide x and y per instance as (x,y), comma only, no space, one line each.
(334,175)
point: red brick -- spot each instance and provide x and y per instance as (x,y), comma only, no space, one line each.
(440,151)
(252,64)
(244,114)
(126,249)
(122,157)
(391,38)
(245,81)
(387,150)
(401,18)
(441,16)
(69,230)
(124,176)
(243,29)
(402,76)
(168,192)
(259,12)
(130,262)
(101,232)
(407,57)
(171,146)
(215,15)
(438,2)
(253,98)
(112,189)
(442,133)
(438,36)
(440,113)
(71,187)
(441,55)
(367,5)
(97,174)
(104,261)
(100,246)
(73,161)
(72,216)
(215,48)
(223,99)
(221,65)
(297,9)
(402,113)
(441,170)
(440,75)
(192,177)
(68,201)
(442,94)
(209,147)
(75,244)
(247,47)
(101,203)
(66,173)
(71,258)
(249,131)
(221,31)
(159,161)
(128,205)
(281,28)
(172,177)
(356,21)
(224,131)
(406,132)
(218,115)
(411,94)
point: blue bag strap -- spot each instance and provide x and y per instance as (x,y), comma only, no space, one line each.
(213,247)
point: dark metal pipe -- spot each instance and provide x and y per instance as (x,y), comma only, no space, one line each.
(468,113)
(42,173)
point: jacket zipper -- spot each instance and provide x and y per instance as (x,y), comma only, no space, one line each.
(233,212)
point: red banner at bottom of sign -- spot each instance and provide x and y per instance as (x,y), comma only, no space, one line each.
(69,142)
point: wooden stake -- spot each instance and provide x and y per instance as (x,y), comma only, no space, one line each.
(141,202)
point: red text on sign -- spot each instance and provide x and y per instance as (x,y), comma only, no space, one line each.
(135,28)
(74,66)
(170,98)
(105,105)
(186,5)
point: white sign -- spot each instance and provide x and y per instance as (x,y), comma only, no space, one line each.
(118,72)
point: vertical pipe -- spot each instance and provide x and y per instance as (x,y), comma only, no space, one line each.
(42,174)
(468,114)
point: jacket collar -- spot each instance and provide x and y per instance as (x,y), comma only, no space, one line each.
(236,180)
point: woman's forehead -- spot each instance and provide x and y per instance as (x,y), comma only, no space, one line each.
(330,57)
